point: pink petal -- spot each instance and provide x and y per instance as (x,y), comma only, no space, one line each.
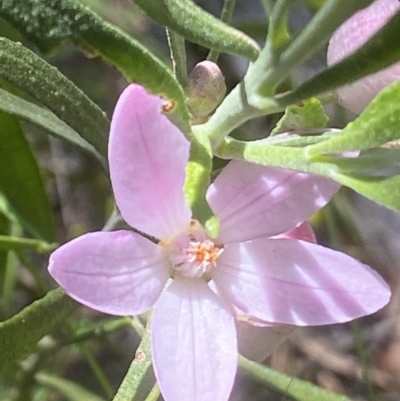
(348,38)
(147,156)
(304,232)
(255,201)
(257,343)
(118,272)
(194,343)
(296,282)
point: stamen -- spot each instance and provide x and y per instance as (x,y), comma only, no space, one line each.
(204,252)
(192,254)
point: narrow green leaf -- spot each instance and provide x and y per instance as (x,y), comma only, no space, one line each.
(198,26)
(70,390)
(297,389)
(20,334)
(48,23)
(298,140)
(307,114)
(375,162)
(262,152)
(378,187)
(46,119)
(198,170)
(382,190)
(49,87)
(139,379)
(16,243)
(379,123)
(379,52)
(262,78)
(20,180)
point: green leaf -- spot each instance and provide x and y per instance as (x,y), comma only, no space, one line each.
(296,140)
(297,389)
(20,180)
(262,152)
(46,119)
(379,123)
(379,52)
(139,379)
(49,87)
(70,390)
(48,23)
(20,334)
(198,170)
(263,78)
(375,162)
(382,190)
(16,243)
(307,114)
(198,26)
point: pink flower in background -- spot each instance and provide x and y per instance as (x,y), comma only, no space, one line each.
(348,38)
(274,280)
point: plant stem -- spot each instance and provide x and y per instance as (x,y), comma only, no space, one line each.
(154,393)
(226,16)
(176,45)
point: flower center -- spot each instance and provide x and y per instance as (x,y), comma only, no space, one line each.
(205,253)
(194,255)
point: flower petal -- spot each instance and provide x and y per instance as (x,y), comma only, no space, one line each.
(254,201)
(350,36)
(304,231)
(118,272)
(194,343)
(147,156)
(296,282)
(257,343)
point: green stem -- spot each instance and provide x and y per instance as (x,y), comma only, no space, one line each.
(313,37)
(268,6)
(295,388)
(226,16)
(176,44)
(233,112)
(139,380)
(16,243)
(278,35)
(137,326)
(237,108)
(154,393)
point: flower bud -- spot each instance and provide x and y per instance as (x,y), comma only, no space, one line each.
(206,89)
(351,35)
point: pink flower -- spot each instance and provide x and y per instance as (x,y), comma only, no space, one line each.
(257,339)
(275,280)
(348,38)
